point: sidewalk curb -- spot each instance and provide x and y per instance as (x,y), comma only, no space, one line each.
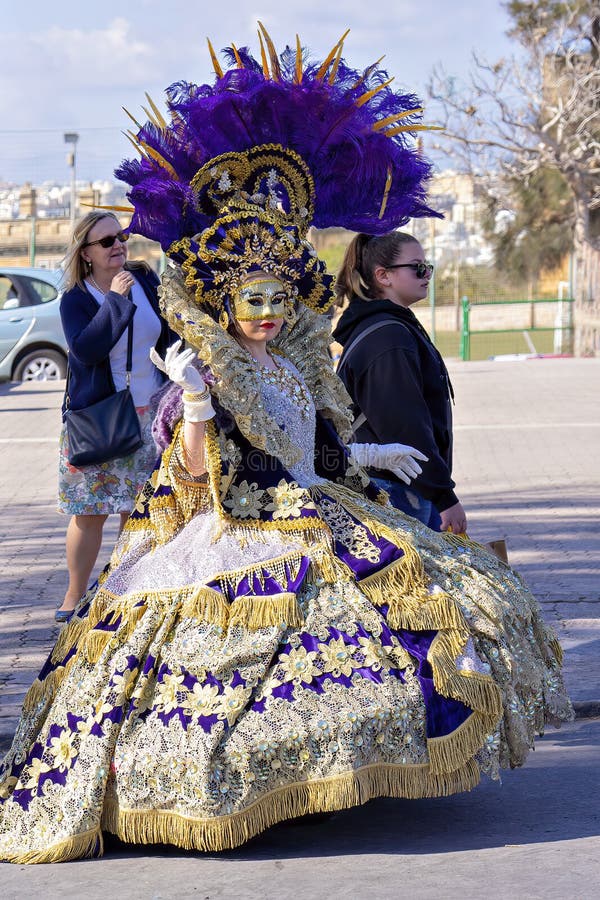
(586,709)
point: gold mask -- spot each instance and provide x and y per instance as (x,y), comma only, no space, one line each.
(263,299)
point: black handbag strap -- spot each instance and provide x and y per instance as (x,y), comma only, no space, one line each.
(127,365)
(361,418)
(129,352)
(348,350)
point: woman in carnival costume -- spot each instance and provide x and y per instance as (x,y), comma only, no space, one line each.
(271,637)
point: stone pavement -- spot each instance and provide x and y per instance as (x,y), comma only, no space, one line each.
(527,441)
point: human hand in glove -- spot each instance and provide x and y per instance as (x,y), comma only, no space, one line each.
(178,367)
(397,458)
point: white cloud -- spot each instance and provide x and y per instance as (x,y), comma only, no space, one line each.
(53,77)
(111,55)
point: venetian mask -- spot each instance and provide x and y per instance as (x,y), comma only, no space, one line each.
(262,299)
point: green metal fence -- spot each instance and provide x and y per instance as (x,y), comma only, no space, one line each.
(533,327)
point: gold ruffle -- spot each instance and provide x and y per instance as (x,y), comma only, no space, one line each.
(324,795)
(80,846)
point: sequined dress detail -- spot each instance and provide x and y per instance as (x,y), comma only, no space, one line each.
(266,643)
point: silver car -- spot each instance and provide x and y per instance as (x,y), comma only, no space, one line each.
(32,343)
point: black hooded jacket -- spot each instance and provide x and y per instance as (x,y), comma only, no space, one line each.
(398,380)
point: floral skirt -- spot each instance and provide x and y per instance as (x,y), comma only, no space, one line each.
(110,487)
(215,685)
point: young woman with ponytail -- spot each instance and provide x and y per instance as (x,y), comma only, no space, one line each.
(397,379)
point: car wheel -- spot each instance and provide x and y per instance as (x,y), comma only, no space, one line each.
(41,365)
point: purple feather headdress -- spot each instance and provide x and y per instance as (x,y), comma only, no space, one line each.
(345,155)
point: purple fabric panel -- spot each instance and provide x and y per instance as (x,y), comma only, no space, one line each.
(149,664)
(444,714)
(361,568)
(267,585)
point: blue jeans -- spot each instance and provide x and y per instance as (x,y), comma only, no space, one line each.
(409,501)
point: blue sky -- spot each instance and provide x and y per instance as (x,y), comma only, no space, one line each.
(71,66)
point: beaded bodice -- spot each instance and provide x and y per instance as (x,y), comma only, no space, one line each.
(288,400)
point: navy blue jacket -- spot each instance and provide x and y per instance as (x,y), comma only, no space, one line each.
(92,330)
(397,378)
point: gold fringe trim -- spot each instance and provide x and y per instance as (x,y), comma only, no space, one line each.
(300,799)
(207,605)
(450,751)
(556,649)
(324,567)
(275,566)
(477,690)
(95,644)
(44,691)
(394,585)
(80,846)
(265,612)
(439,612)
(69,635)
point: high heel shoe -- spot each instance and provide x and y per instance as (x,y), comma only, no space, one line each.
(63,615)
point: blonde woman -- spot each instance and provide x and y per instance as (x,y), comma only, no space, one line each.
(104,294)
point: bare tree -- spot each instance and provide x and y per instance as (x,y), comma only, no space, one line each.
(539,110)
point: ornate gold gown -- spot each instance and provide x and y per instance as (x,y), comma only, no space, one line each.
(267,642)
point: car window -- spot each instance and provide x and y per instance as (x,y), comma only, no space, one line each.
(9,295)
(40,291)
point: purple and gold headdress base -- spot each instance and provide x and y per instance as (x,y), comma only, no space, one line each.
(263,201)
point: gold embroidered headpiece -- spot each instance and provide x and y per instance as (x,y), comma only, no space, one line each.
(261,203)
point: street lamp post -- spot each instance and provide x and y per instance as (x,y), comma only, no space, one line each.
(71,137)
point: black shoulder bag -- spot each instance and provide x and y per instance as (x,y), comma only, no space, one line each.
(107,429)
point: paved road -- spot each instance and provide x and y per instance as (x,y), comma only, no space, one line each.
(527,448)
(527,441)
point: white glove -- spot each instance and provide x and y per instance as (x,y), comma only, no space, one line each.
(397,458)
(179,368)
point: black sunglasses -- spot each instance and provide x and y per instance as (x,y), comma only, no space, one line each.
(420,269)
(109,240)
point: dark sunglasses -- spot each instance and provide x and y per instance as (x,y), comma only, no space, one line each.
(420,269)
(109,240)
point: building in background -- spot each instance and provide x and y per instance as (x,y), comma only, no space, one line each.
(35,226)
